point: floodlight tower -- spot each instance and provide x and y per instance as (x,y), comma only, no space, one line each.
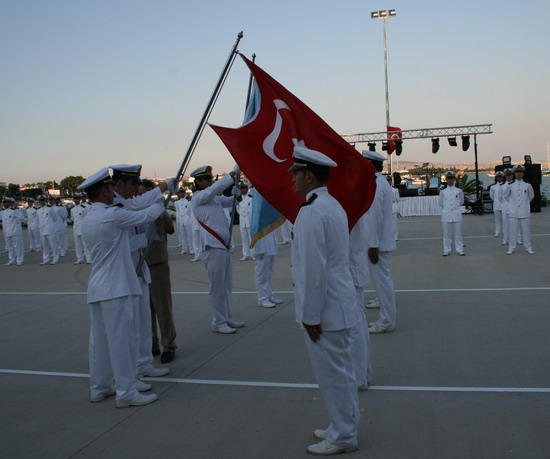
(385,14)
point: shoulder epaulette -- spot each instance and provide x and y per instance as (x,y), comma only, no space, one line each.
(310,200)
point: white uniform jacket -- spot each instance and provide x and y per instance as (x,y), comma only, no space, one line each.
(244,208)
(77,214)
(450,200)
(138,240)
(63,215)
(48,218)
(504,204)
(519,195)
(11,219)
(495,195)
(32,218)
(379,218)
(208,208)
(184,214)
(323,288)
(105,230)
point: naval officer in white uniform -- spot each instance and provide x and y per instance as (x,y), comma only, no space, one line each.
(325,299)
(381,244)
(12,219)
(184,220)
(244,209)
(208,205)
(126,179)
(48,218)
(33,226)
(360,340)
(495,193)
(112,291)
(519,195)
(78,212)
(451,199)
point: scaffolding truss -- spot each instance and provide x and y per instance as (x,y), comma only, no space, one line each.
(423,133)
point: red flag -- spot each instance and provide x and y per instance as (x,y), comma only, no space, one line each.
(263,149)
(393,133)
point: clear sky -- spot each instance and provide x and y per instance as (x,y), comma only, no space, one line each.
(88,83)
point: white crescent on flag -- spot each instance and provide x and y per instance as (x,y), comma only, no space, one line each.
(271,139)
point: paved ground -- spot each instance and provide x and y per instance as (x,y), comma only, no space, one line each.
(465,375)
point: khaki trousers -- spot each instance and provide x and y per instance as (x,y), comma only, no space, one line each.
(160,291)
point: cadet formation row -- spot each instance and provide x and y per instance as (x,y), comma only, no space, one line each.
(124,216)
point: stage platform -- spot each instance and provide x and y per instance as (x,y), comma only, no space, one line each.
(466,374)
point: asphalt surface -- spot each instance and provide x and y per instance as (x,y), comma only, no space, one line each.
(466,374)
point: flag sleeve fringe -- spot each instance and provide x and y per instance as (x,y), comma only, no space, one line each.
(267,230)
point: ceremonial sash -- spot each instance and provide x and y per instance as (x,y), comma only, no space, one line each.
(213,233)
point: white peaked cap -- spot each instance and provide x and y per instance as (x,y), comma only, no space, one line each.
(100,176)
(304,157)
(375,156)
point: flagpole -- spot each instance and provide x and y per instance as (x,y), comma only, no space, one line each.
(238,176)
(198,132)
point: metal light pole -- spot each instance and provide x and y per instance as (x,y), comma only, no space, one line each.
(384,14)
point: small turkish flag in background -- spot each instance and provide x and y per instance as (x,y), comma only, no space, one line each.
(263,146)
(394,134)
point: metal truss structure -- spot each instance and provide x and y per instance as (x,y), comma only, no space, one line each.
(423,133)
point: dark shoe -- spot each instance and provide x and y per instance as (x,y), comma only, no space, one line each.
(155,352)
(167,356)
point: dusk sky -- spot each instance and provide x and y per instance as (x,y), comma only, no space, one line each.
(85,84)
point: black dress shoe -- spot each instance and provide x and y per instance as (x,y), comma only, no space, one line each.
(155,352)
(167,356)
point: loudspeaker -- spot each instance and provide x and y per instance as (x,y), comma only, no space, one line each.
(533,175)
(431,191)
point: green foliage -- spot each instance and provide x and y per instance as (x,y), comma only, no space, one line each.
(71,182)
(468,186)
(13,190)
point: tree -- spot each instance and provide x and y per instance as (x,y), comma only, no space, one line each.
(71,182)
(2,190)
(13,189)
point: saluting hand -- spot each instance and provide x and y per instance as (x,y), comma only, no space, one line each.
(314,331)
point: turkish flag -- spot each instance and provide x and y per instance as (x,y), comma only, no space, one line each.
(263,146)
(393,133)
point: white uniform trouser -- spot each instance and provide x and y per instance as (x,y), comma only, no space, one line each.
(245,237)
(49,243)
(332,365)
(185,242)
(143,331)
(517,226)
(263,274)
(360,344)
(34,240)
(112,347)
(62,241)
(380,275)
(218,267)
(196,242)
(79,248)
(16,249)
(450,229)
(505,227)
(395,227)
(498,222)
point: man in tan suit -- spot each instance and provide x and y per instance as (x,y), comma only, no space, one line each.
(160,288)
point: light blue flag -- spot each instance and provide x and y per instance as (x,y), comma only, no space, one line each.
(265,218)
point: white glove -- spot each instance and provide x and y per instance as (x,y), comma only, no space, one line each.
(236,169)
(172,184)
(235,191)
